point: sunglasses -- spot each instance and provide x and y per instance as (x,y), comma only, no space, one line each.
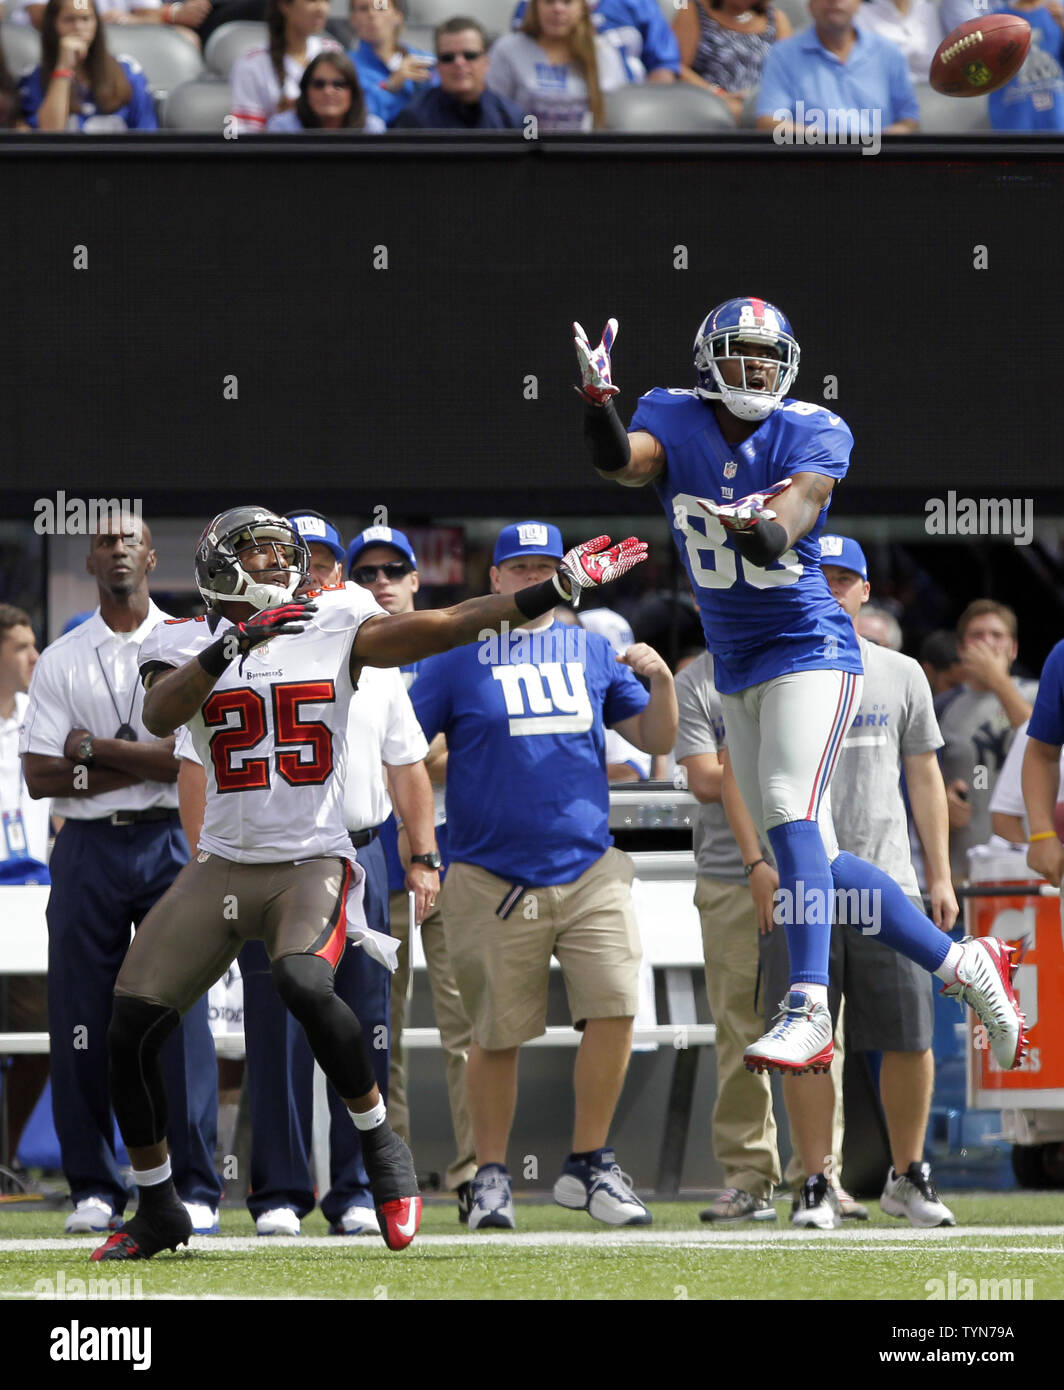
(469,54)
(320,83)
(367,574)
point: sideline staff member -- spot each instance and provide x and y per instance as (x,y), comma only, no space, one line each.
(84,745)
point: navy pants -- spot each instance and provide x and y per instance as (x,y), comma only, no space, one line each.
(106,878)
(281,1071)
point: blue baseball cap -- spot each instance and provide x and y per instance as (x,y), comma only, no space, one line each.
(312,526)
(379,535)
(528,538)
(845,553)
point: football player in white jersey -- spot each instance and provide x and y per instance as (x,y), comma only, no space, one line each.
(268,719)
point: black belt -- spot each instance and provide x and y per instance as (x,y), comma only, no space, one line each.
(138,817)
(361,838)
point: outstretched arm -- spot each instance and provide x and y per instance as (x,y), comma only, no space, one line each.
(401,638)
(633,460)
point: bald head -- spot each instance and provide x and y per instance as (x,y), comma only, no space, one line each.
(121,556)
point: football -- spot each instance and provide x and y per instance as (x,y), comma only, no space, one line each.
(980,55)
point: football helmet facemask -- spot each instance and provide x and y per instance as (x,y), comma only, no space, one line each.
(736,330)
(220,573)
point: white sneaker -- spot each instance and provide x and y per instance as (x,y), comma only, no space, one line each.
(204,1218)
(91,1215)
(357,1221)
(984,981)
(493,1199)
(282,1221)
(913,1196)
(818,1205)
(799,1040)
(602,1190)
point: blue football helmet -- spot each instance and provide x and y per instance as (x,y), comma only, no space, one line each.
(730,330)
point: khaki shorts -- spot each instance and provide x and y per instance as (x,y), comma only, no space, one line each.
(193,933)
(502,967)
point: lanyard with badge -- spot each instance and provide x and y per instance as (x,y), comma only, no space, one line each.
(125,729)
(17,863)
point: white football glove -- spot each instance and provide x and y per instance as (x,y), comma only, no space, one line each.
(595,563)
(595,371)
(748,511)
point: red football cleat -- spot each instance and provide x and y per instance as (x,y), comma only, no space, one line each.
(400,1221)
(143,1236)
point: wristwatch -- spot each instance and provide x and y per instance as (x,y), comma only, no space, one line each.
(431,861)
(85,754)
(748,869)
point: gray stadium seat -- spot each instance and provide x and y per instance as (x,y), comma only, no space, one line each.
(494,15)
(797,11)
(231,41)
(747,117)
(653,107)
(941,115)
(22,48)
(167,58)
(421,36)
(199,105)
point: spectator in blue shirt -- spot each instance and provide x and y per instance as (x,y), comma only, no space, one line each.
(533,871)
(639,29)
(1041,770)
(462,101)
(1034,99)
(836,76)
(391,74)
(78,85)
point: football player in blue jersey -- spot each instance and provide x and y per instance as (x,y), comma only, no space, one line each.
(745,474)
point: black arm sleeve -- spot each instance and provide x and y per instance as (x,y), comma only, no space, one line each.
(762,544)
(606,438)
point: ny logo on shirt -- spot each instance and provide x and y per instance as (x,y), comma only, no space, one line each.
(550,698)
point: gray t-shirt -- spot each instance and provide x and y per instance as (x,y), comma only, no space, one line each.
(978,735)
(556,94)
(701,730)
(896,720)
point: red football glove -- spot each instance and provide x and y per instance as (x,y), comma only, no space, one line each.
(748,511)
(597,562)
(596,384)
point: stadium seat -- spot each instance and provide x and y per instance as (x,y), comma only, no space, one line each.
(940,115)
(22,48)
(797,11)
(494,15)
(651,108)
(167,58)
(231,41)
(200,105)
(747,116)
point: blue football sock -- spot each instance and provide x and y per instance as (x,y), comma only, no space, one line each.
(803,902)
(885,913)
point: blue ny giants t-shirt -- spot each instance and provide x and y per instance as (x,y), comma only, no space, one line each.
(759,623)
(525,719)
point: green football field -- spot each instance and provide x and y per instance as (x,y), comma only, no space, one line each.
(1005,1246)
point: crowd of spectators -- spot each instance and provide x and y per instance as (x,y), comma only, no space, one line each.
(846,64)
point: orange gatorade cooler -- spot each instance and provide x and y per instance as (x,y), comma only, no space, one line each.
(1032,924)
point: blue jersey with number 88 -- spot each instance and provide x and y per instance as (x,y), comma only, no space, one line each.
(759,623)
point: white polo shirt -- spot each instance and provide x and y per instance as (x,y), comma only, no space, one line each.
(14,798)
(89,679)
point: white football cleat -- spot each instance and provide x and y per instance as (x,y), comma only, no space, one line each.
(357,1221)
(90,1215)
(984,981)
(204,1218)
(281,1221)
(800,1039)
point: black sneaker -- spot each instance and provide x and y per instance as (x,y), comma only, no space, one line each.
(145,1234)
(464,1193)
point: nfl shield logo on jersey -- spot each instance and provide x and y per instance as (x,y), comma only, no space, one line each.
(730,469)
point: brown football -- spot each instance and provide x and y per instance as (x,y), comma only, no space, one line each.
(980,55)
